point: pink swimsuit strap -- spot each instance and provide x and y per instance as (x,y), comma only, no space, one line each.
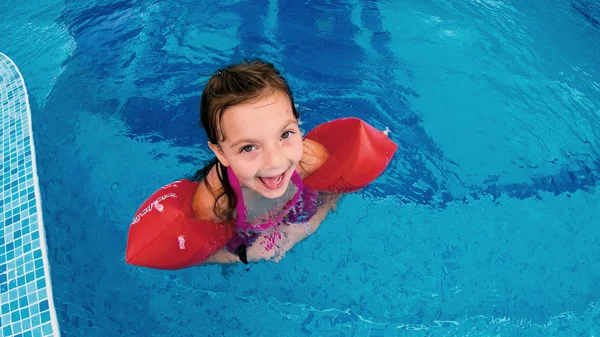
(242,211)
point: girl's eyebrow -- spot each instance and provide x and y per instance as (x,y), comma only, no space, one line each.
(291,121)
(250,140)
(245,140)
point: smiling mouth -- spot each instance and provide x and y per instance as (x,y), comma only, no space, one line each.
(272,183)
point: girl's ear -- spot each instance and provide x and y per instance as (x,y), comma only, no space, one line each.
(219,153)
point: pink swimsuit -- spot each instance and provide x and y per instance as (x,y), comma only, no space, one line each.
(299,209)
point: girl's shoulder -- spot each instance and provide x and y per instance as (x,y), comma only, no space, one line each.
(203,202)
(313,157)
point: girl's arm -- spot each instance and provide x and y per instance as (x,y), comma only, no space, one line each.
(223,256)
(203,208)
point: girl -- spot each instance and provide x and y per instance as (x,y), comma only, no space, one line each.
(255,180)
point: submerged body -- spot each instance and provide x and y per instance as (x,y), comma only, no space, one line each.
(267,228)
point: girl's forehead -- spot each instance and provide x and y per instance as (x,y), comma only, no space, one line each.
(268,114)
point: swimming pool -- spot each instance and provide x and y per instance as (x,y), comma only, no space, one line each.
(483,224)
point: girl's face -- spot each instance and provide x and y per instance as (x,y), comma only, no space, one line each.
(262,143)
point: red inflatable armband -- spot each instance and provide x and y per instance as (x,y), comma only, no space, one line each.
(358,154)
(164,235)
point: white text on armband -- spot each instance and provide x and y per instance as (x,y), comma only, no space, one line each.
(151,206)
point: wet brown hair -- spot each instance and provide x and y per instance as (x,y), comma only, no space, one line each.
(233,85)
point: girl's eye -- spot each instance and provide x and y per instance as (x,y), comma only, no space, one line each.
(247,148)
(287,134)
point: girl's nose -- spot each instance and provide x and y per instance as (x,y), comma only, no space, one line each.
(274,158)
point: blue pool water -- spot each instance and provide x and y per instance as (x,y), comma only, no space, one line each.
(483,225)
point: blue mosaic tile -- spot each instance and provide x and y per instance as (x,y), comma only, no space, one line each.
(26,305)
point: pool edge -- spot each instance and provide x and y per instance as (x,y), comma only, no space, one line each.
(41,229)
